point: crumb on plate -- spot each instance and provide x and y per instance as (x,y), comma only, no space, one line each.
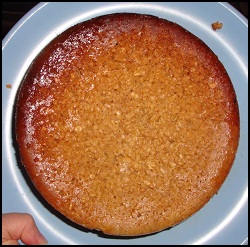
(216,25)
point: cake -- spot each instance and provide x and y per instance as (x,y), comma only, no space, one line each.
(127,124)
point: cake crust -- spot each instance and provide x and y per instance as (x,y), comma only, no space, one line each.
(127,123)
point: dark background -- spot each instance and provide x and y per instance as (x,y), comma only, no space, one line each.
(14,11)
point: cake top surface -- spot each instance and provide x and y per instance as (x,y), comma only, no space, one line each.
(127,123)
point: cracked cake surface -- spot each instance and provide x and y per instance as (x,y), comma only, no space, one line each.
(127,123)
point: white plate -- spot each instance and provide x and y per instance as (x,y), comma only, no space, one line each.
(224,220)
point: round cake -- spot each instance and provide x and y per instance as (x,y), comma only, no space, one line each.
(127,123)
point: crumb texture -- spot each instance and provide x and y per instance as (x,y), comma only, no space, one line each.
(216,25)
(127,123)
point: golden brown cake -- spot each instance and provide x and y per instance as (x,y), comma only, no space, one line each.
(127,123)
